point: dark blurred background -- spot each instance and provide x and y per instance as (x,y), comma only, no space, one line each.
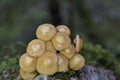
(97,21)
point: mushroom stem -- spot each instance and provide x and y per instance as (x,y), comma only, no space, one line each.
(40,76)
(28,75)
(45,77)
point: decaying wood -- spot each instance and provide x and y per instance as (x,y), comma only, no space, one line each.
(91,73)
(86,73)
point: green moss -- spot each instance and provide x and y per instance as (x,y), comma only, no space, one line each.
(94,55)
(9,65)
(100,57)
(9,68)
(63,76)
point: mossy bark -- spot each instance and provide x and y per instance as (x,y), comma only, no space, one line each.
(89,73)
(92,73)
(86,73)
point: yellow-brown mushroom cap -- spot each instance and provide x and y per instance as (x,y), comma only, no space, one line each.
(63,28)
(26,75)
(45,32)
(27,63)
(79,43)
(50,46)
(77,62)
(69,52)
(47,63)
(61,41)
(62,63)
(36,48)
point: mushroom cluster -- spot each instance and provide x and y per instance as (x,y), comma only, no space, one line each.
(51,52)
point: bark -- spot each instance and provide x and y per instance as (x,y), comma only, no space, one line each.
(91,73)
(86,73)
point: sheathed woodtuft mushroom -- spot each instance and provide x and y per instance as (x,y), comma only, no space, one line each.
(62,63)
(47,63)
(27,63)
(63,28)
(26,75)
(61,41)
(69,52)
(51,52)
(36,48)
(50,46)
(78,42)
(45,32)
(77,62)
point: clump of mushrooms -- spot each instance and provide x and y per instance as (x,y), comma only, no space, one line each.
(50,53)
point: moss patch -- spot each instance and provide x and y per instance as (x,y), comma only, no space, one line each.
(94,55)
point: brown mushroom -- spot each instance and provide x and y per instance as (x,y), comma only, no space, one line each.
(45,32)
(61,41)
(62,63)
(50,47)
(26,75)
(47,63)
(36,48)
(69,52)
(77,62)
(78,42)
(63,28)
(27,63)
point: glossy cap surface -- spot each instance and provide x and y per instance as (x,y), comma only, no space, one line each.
(61,41)
(47,63)
(27,63)
(45,32)
(36,48)
(77,62)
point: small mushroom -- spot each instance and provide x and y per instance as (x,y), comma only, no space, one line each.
(50,46)
(63,28)
(77,62)
(45,32)
(36,48)
(78,42)
(26,75)
(69,52)
(62,63)
(61,41)
(47,63)
(27,63)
